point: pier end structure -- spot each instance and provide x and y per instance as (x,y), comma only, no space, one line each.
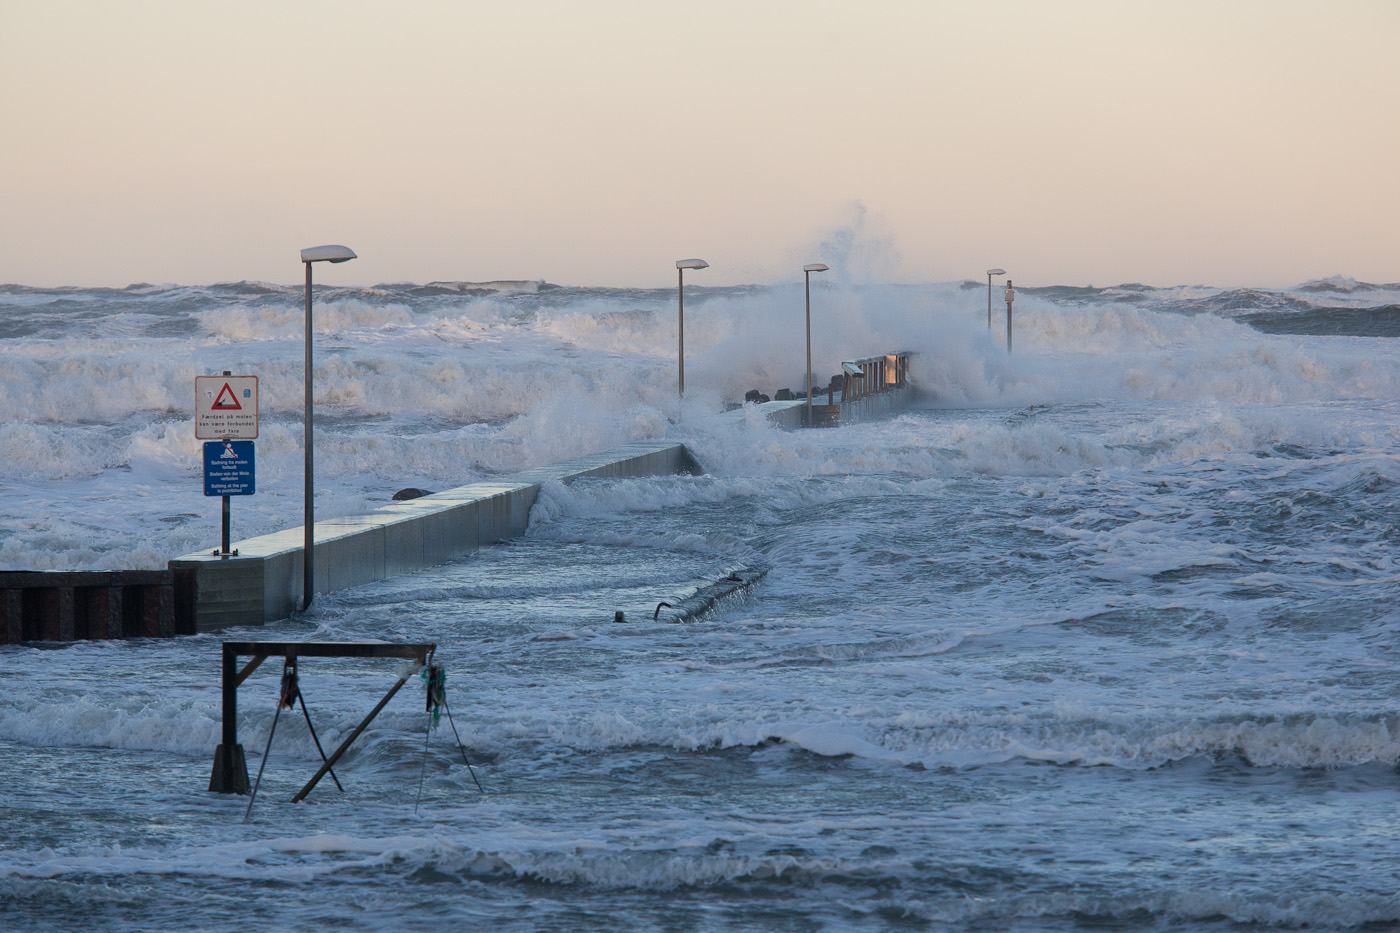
(882,388)
(263,582)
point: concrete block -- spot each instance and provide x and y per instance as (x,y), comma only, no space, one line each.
(445,532)
(505,515)
(225,591)
(349,552)
(281,585)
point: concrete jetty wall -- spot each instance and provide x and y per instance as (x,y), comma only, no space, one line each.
(882,389)
(876,405)
(202,592)
(264,582)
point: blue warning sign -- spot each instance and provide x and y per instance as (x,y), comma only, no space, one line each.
(228,468)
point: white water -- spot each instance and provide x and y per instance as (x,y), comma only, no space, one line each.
(1103,638)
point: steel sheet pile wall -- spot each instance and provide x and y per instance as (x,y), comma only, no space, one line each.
(74,605)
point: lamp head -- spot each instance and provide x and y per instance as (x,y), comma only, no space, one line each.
(692,264)
(996,272)
(328,254)
(815,267)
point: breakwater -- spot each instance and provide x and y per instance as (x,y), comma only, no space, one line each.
(870,387)
(263,582)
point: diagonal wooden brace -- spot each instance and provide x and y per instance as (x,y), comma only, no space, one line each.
(329,763)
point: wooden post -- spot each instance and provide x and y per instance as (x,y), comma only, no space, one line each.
(230,767)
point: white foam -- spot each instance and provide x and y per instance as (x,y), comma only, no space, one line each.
(447,392)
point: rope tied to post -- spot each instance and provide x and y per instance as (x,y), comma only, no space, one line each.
(290,688)
(435,676)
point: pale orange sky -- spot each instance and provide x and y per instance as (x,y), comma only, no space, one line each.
(1072,142)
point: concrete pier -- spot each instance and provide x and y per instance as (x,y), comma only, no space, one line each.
(264,582)
(882,389)
(203,592)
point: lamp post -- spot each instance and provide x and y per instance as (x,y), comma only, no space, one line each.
(681,266)
(807,271)
(308,574)
(990,273)
(1010,297)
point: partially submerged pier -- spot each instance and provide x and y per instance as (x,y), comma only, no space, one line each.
(867,388)
(261,580)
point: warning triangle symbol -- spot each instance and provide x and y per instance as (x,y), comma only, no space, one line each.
(226,401)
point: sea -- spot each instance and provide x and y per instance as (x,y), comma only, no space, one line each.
(1100,634)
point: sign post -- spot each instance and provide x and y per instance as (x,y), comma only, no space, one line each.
(226,408)
(229,470)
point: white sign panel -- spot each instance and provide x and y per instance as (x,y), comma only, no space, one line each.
(226,407)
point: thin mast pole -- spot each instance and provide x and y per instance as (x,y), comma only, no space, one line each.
(308,571)
(680,328)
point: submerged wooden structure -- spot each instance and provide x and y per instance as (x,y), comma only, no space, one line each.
(230,773)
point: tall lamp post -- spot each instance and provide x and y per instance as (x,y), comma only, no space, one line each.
(681,266)
(990,273)
(807,271)
(1010,297)
(308,574)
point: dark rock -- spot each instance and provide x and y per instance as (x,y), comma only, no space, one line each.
(411,492)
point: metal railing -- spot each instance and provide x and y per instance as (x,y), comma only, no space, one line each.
(877,374)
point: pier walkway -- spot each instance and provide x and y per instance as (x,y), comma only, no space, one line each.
(878,387)
(263,582)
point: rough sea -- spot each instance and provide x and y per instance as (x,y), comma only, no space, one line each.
(1100,636)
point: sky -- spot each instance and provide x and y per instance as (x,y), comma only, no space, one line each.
(1215,142)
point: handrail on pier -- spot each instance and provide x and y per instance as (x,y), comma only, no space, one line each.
(877,374)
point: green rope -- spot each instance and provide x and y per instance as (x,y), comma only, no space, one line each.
(435,676)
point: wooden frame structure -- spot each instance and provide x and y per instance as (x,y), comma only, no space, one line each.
(230,774)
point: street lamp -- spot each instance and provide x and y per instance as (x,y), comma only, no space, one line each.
(1010,297)
(681,266)
(308,575)
(990,273)
(807,271)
